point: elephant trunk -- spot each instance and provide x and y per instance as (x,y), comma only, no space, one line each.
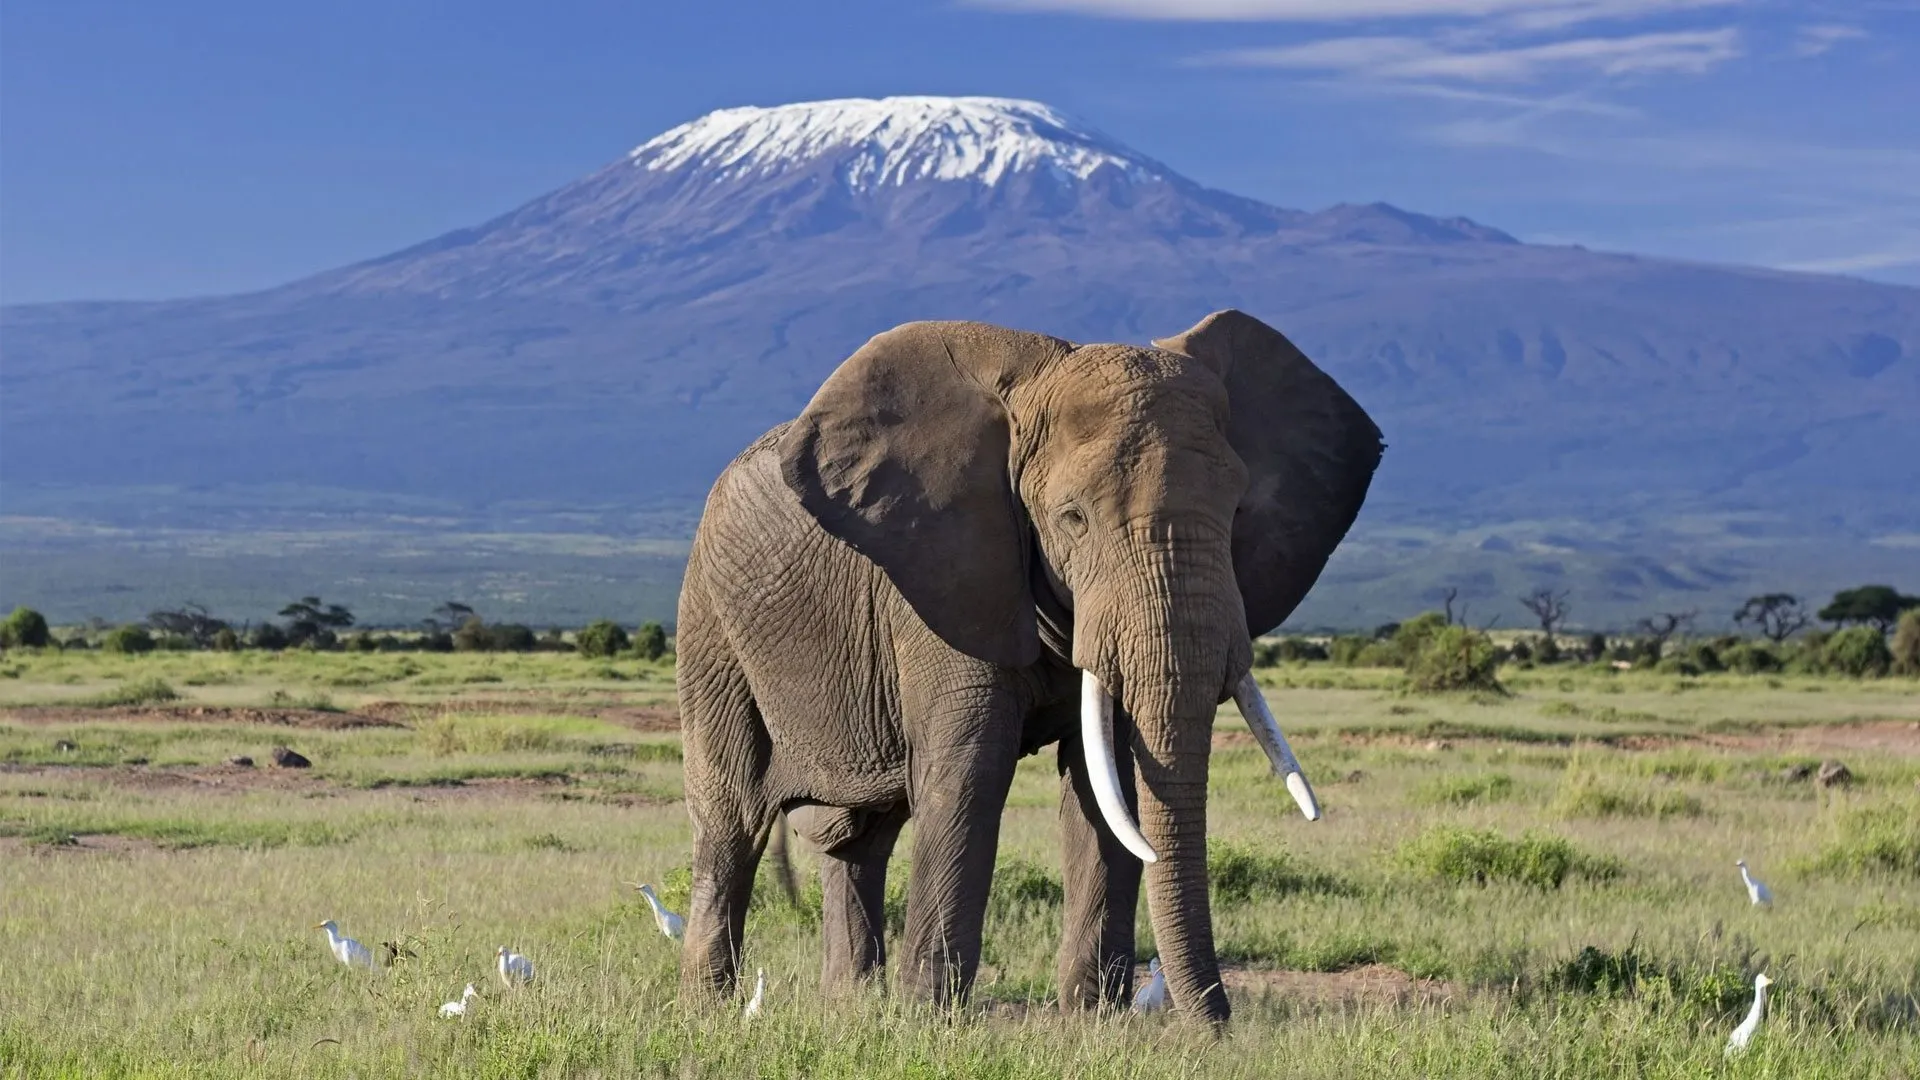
(1170,652)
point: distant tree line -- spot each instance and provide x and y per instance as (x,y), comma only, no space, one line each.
(312,624)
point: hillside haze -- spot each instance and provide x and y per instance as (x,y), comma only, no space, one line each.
(1643,431)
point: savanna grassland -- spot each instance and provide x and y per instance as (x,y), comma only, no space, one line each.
(1533,885)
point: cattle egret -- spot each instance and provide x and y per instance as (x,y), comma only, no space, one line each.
(1744,1033)
(1153,996)
(515,970)
(670,924)
(1756,892)
(345,949)
(759,994)
(459,1008)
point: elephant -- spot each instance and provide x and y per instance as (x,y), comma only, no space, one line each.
(975,542)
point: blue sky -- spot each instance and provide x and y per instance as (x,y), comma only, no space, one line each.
(166,149)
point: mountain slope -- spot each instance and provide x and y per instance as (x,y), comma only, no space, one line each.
(615,341)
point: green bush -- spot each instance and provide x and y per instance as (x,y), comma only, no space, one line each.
(148,691)
(1750,658)
(604,638)
(1596,647)
(1454,658)
(473,636)
(512,637)
(130,640)
(26,629)
(1859,651)
(1019,884)
(1906,645)
(1483,857)
(225,640)
(1238,874)
(269,637)
(1677,665)
(1883,838)
(1547,650)
(1346,649)
(650,641)
(1584,795)
(1705,657)
(1465,790)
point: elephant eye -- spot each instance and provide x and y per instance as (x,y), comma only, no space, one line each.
(1074,521)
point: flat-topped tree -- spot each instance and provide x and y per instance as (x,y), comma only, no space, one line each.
(1878,606)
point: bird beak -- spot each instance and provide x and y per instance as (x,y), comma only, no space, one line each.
(319,926)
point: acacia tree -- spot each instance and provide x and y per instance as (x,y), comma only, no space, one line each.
(1778,616)
(310,620)
(1658,628)
(1550,608)
(1878,606)
(192,621)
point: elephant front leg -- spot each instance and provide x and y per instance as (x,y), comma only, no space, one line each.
(958,792)
(1102,890)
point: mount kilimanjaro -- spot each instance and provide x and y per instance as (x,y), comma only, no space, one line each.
(1642,430)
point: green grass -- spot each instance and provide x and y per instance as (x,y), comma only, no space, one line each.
(172,937)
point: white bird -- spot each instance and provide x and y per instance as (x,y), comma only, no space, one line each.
(1744,1033)
(759,995)
(345,949)
(1756,892)
(1153,996)
(515,970)
(670,924)
(459,1008)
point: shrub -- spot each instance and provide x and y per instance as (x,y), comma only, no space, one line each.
(1677,665)
(603,639)
(1859,651)
(1750,658)
(27,629)
(269,637)
(225,640)
(1883,838)
(1586,795)
(149,691)
(1019,884)
(1346,649)
(129,640)
(436,641)
(1547,651)
(1705,657)
(512,637)
(1454,658)
(1465,790)
(1596,647)
(1906,645)
(1237,874)
(1484,857)
(650,641)
(1301,650)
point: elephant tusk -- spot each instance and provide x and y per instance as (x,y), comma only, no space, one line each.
(1096,737)
(1266,731)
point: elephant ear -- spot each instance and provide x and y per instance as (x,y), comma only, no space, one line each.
(903,454)
(1310,452)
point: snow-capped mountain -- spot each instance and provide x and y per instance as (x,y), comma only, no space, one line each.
(618,339)
(893,142)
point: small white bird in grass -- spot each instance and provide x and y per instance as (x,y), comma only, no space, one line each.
(515,970)
(459,1008)
(1153,996)
(670,924)
(759,995)
(1744,1033)
(1756,892)
(345,949)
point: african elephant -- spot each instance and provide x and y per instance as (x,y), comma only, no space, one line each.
(975,542)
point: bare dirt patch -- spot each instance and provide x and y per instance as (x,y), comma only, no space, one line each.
(89,844)
(1375,984)
(235,780)
(1898,737)
(635,717)
(312,719)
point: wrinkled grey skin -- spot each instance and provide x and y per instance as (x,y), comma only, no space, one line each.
(888,599)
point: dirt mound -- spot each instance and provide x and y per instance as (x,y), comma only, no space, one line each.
(318,719)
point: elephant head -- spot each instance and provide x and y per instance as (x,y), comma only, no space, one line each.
(1176,500)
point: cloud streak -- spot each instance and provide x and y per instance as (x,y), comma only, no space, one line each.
(1536,14)
(1404,59)
(1815,40)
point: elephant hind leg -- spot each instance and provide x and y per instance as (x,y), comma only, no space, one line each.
(853,895)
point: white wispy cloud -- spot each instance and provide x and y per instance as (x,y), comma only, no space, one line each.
(1410,58)
(1817,39)
(1532,13)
